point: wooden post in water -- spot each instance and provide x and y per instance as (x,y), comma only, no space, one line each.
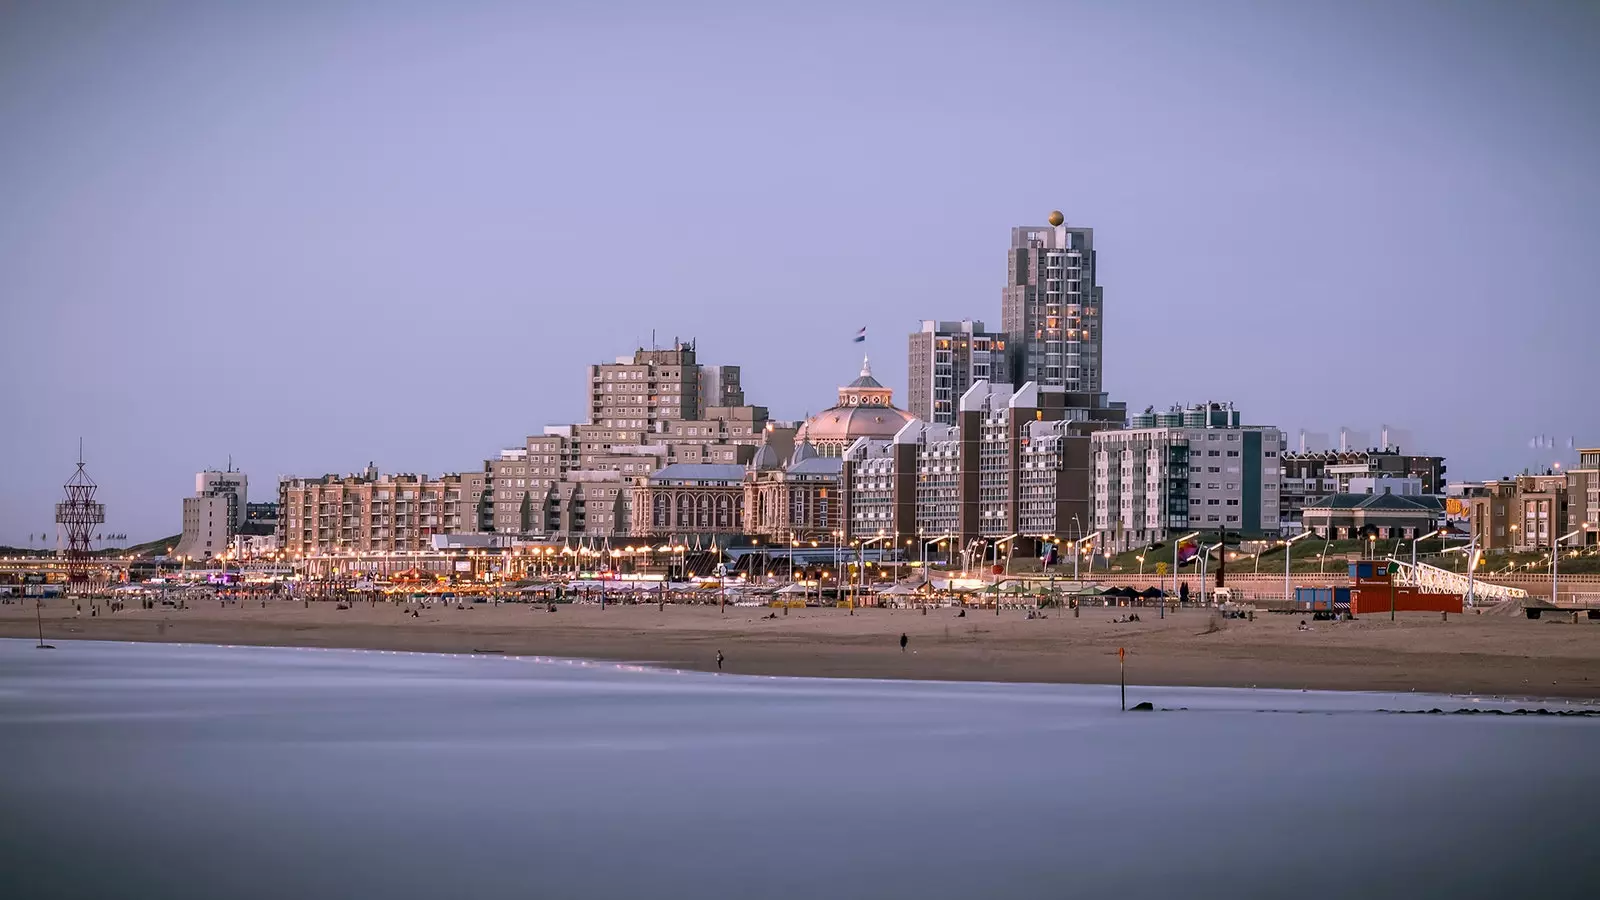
(1122,665)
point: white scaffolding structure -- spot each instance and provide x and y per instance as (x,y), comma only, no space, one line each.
(1444,581)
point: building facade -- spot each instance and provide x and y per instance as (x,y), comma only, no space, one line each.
(1051,308)
(1012,467)
(370,512)
(1583,500)
(690,501)
(1211,473)
(944,360)
(217,511)
(796,500)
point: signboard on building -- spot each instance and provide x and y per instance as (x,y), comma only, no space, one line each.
(1457,509)
(463,565)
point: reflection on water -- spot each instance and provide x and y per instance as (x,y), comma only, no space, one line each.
(178,771)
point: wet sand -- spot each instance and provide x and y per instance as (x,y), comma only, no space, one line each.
(1483,654)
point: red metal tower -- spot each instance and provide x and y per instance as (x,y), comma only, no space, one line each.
(80,513)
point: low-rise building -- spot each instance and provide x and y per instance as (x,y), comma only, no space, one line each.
(798,499)
(1383,516)
(690,501)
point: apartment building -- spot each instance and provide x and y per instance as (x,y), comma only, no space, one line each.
(1210,473)
(368,511)
(1583,499)
(944,360)
(651,386)
(1012,466)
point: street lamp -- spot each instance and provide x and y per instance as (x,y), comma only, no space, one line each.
(1287,558)
(1555,554)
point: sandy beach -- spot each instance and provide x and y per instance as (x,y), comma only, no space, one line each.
(1484,654)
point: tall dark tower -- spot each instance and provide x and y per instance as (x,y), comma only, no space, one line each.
(79,514)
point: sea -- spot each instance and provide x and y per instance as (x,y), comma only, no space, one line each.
(171,771)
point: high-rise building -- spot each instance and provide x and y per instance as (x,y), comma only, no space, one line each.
(214,514)
(649,387)
(1202,471)
(1052,308)
(945,358)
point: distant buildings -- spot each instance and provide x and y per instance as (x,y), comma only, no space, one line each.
(1531,512)
(1313,475)
(1192,469)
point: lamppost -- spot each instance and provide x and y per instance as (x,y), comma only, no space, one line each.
(861,568)
(1287,591)
(1555,554)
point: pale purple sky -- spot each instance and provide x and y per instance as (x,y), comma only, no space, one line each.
(312,234)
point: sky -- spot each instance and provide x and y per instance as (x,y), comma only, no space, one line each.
(313,234)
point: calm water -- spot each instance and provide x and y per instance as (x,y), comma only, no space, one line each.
(170,771)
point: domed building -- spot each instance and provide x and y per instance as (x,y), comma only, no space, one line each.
(865,410)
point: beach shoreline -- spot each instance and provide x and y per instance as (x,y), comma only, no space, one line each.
(1472,654)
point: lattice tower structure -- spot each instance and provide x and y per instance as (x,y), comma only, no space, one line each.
(78,515)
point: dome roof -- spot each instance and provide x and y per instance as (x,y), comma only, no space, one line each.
(802,452)
(844,424)
(765,458)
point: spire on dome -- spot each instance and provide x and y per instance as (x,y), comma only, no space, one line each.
(866,367)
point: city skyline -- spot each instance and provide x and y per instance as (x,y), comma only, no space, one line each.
(314,266)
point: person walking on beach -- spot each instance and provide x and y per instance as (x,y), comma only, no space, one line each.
(903,641)
(719,660)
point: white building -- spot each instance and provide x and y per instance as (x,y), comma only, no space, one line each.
(1384,484)
(214,514)
(1209,473)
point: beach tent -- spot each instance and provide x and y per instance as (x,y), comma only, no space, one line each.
(899,589)
(1092,590)
(794,588)
(1152,593)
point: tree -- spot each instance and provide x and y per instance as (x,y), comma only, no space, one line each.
(526,513)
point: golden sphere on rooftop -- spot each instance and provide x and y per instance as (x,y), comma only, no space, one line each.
(1056,218)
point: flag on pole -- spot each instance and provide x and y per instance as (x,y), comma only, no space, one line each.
(861,335)
(1186,551)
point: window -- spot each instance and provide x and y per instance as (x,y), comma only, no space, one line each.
(1233,453)
(1213,453)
